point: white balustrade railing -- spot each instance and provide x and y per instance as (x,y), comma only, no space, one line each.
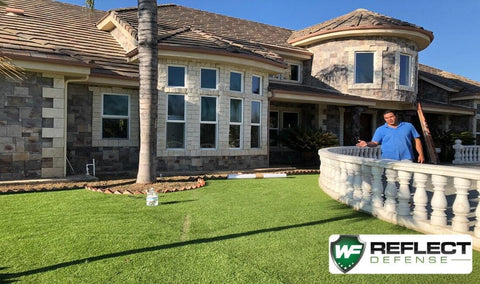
(466,154)
(434,199)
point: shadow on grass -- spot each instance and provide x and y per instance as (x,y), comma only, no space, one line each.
(11,276)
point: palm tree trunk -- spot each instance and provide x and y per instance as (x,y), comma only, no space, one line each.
(148,96)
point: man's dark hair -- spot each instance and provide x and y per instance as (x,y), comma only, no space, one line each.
(389,111)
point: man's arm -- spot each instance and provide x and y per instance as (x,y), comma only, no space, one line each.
(419,148)
(362,143)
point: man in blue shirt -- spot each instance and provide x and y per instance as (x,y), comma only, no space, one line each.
(396,139)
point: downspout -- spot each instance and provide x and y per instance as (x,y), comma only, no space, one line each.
(65,115)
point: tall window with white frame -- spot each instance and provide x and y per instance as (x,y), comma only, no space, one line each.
(115,116)
(363,67)
(176,76)
(236,123)
(208,78)
(176,122)
(295,72)
(405,70)
(256,85)
(255,133)
(208,122)
(236,81)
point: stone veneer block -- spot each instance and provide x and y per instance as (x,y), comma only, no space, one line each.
(53,93)
(52,172)
(52,132)
(52,152)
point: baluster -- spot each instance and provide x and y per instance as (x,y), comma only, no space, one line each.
(343,180)
(349,183)
(404,193)
(476,231)
(357,183)
(420,198)
(366,187)
(377,189)
(391,191)
(461,206)
(439,201)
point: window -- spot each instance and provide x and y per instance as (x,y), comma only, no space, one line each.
(255,124)
(236,81)
(290,120)
(208,123)
(176,76)
(404,70)
(256,85)
(364,67)
(295,72)
(273,129)
(176,122)
(115,116)
(208,78)
(236,119)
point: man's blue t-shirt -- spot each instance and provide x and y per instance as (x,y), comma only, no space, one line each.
(396,142)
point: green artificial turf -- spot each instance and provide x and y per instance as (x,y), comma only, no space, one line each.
(248,231)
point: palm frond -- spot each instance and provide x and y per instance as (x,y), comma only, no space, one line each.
(89,3)
(11,71)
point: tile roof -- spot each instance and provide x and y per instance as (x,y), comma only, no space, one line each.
(172,17)
(356,20)
(462,85)
(50,29)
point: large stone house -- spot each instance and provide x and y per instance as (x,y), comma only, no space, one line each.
(226,87)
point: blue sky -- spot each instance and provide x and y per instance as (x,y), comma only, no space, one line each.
(455,24)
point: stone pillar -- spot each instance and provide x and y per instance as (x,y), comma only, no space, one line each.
(53,155)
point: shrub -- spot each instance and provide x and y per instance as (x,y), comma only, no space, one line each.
(445,140)
(307,139)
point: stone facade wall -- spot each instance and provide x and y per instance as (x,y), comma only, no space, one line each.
(84,132)
(334,64)
(429,92)
(193,92)
(21,141)
(196,164)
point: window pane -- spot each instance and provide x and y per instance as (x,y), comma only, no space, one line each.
(364,68)
(235,81)
(208,135)
(115,128)
(255,137)
(404,70)
(294,72)
(115,105)
(256,85)
(209,111)
(234,136)
(176,76)
(209,79)
(273,119)
(176,107)
(175,135)
(290,120)
(255,112)
(235,110)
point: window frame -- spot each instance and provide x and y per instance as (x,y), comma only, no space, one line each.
(256,124)
(299,73)
(230,123)
(216,78)
(242,83)
(184,76)
(209,122)
(184,122)
(260,91)
(110,116)
(409,74)
(292,112)
(356,67)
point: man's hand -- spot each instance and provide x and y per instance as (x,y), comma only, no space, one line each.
(421,159)
(362,143)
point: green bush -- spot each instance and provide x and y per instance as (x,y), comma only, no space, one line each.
(307,139)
